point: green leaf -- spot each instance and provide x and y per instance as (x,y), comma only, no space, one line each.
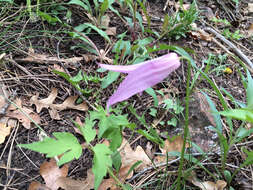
(65,143)
(115,137)
(8,1)
(87,130)
(82,4)
(110,78)
(172,122)
(152,93)
(77,78)
(101,161)
(100,32)
(104,7)
(150,136)
(216,116)
(249,91)
(249,159)
(243,114)
(116,160)
(48,18)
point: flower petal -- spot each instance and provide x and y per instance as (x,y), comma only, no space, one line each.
(148,74)
(130,68)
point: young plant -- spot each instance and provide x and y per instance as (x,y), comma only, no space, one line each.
(66,145)
(178,25)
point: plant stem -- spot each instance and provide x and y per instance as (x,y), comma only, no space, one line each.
(186,129)
(116,179)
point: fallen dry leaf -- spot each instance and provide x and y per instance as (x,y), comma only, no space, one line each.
(130,156)
(22,118)
(250,31)
(47,59)
(50,173)
(209,185)
(250,7)
(37,186)
(53,109)
(206,185)
(15,113)
(174,145)
(110,31)
(202,35)
(72,184)
(4,132)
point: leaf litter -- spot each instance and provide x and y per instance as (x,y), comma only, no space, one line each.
(53,109)
(50,173)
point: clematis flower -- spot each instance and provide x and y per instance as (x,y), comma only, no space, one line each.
(141,76)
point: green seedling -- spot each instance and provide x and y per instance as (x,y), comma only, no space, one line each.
(178,25)
(67,145)
(233,36)
(223,21)
(75,81)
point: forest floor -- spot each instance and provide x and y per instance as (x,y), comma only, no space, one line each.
(33,45)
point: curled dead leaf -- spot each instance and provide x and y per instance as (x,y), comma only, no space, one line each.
(130,156)
(51,172)
(53,109)
(14,112)
(209,185)
(206,185)
(174,145)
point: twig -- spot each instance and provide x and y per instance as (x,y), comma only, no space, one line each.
(231,45)
(152,167)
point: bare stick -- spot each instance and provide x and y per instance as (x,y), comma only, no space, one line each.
(231,45)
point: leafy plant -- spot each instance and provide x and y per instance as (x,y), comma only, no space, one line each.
(67,145)
(176,26)
(234,36)
(76,80)
(245,113)
(223,21)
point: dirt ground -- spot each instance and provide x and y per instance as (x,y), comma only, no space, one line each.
(26,78)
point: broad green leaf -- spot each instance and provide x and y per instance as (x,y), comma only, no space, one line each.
(101,161)
(109,79)
(241,114)
(115,137)
(100,32)
(87,130)
(78,77)
(65,143)
(116,160)
(172,122)
(249,91)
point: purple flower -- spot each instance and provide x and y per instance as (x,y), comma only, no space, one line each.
(142,76)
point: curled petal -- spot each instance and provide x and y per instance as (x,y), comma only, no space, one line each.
(147,74)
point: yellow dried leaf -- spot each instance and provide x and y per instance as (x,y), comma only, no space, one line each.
(4,132)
